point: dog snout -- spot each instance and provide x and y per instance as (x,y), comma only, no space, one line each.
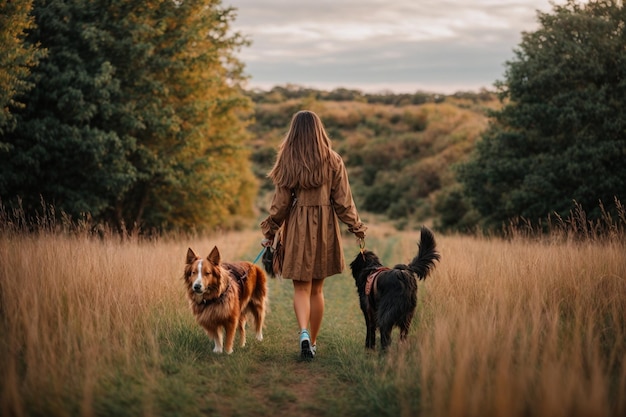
(197,287)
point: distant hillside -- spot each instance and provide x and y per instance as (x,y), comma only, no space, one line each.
(400,150)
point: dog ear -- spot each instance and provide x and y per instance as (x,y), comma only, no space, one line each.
(214,256)
(191,256)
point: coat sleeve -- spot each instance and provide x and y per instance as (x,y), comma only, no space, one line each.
(281,203)
(343,203)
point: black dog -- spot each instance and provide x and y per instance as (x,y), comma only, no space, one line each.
(388,296)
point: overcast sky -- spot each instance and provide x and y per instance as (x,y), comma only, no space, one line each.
(439,46)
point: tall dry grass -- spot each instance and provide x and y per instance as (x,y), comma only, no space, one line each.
(71,308)
(510,327)
(516,328)
(79,311)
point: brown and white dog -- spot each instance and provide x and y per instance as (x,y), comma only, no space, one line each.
(222,294)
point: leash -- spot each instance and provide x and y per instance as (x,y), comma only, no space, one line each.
(362,247)
(259,255)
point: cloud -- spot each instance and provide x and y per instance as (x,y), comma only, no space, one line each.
(400,45)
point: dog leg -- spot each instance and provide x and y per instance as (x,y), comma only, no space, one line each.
(370,337)
(231,326)
(403,333)
(405,325)
(217,339)
(259,318)
(258,312)
(242,330)
(385,336)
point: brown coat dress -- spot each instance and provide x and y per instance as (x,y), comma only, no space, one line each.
(313,248)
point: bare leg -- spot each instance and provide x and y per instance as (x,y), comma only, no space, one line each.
(302,302)
(317,308)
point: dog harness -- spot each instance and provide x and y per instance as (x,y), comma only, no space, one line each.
(239,273)
(371,279)
(216,299)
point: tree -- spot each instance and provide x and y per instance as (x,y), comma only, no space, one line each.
(561,135)
(16,58)
(136,118)
(64,148)
(183,105)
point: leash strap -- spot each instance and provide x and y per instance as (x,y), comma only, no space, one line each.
(361,245)
(259,255)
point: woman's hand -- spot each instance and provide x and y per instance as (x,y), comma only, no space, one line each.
(267,243)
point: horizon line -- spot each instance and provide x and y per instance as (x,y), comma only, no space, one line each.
(375,88)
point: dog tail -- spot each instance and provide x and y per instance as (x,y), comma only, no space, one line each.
(424,262)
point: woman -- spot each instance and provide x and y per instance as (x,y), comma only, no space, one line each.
(311,193)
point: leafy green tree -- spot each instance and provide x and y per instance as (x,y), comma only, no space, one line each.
(180,86)
(64,148)
(561,135)
(136,118)
(16,58)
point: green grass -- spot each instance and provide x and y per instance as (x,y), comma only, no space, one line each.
(262,378)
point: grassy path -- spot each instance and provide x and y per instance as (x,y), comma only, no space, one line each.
(268,378)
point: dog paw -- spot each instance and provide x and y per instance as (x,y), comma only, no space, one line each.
(228,352)
(259,337)
(217,349)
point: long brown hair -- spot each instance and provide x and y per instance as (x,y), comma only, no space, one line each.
(305,154)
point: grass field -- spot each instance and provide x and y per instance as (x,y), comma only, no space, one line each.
(100,326)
